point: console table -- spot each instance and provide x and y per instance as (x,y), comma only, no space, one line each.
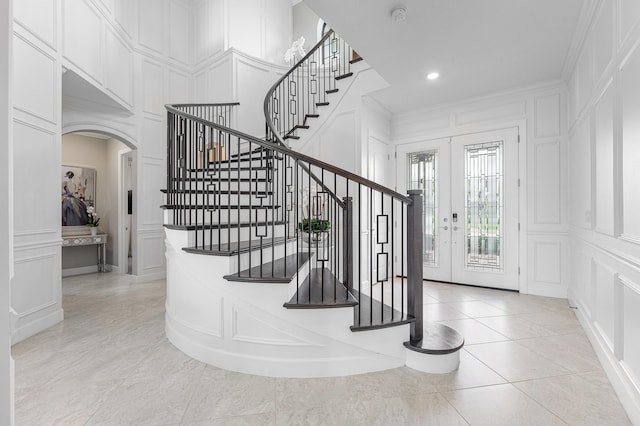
(90,240)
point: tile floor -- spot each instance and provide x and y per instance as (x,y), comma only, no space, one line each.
(526,361)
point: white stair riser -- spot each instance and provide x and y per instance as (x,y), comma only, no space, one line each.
(193,217)
(232,199)
(224,185)
(225,235)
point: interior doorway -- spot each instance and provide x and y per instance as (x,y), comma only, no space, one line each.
(470,210)
(106,155)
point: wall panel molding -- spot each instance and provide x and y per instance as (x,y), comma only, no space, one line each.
(82,31)
(34,80)
(546,191)
(119,67)
(42,24)
(502,112)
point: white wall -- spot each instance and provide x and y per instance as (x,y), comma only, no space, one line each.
(305,24)
(125,60)
(238,54)
(6,235)
(340,135)
(604,154)
(36,288)
(539,113)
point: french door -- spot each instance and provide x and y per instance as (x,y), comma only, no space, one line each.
(470,206)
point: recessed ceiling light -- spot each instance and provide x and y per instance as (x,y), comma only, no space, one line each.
(433,75)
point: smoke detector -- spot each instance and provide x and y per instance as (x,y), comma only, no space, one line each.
(399,14)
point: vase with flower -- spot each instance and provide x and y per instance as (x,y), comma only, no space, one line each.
(92,220)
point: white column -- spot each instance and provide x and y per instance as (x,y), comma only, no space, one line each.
(6,207)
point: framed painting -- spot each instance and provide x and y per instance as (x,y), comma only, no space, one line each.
(78,193)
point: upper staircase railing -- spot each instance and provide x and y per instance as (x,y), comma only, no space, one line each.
(295,98)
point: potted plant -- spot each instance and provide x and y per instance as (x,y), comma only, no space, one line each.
(314,230)
(92,220)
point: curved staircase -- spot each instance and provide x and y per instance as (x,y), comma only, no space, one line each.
(279,264)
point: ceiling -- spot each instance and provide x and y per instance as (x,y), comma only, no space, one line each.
(478,46)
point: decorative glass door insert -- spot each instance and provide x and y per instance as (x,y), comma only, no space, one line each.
(484,206)
(423,174)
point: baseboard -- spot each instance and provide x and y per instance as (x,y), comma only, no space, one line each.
(70,272)
(36,326)
(628,392)
(149,277)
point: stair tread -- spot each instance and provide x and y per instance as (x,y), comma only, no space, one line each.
(291,137)
(438,339)
(322,103)
(321,289)
(234,225)
(210,179)
(332,90)
(222,191)
(340,77)
(383,315)
(355,60)
(233,248)
(213,168)
(259,150)
(279,271)
(220,207)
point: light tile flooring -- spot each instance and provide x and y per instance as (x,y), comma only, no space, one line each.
(526,361)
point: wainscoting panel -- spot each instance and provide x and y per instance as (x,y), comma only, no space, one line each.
(604,298)
(580,176)
(36,183)
(548,266)
(41,24)
(119,64)
(602,39)
(208,19)
(252,329)
(220,79)
(151,252)
(151,180)
(81,33)
(631,319)
(546,191)
(604,163)
(179,33)
(630,93)
(34,77)
(126,14)
(547,116)
(178,87)
(153,88)
(151,24)
(153,137)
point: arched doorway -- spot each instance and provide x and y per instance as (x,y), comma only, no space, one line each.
(111,156)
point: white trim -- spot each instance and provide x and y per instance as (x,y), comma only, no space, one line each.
(70,272)
(626,390)
(36,326)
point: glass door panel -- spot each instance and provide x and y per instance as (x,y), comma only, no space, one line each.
(484,205)
(420,166)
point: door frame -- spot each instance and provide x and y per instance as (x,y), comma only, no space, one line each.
(523,174)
